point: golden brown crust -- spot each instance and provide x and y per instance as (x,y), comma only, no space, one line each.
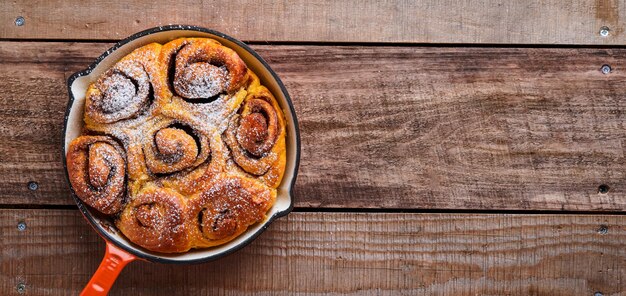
(125,90)
(256,137)
(154,220)
(200,138)
(224,211)
(96,169)
(170,146)
(199,68)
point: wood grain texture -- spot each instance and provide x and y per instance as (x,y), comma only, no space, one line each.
(385,127)
(429,21)
(341,254)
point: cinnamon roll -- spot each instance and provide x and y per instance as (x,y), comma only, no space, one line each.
(96,169)
(190,146)
(256,137)
(228,208)
(199,68)
(154,219)
(205,81)
(126,90)
(172,147)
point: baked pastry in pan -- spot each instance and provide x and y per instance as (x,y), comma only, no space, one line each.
(182,146)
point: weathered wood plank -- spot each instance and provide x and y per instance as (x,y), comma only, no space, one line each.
(429,21)
(341,254)
(385,127)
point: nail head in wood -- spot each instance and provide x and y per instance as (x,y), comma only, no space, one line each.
(32,185)
(606,69)
(20,21)
(604,31)
(21,288)
(603,189)
(603,229)
(598,294)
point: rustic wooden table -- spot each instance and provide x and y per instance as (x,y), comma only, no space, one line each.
(448,148)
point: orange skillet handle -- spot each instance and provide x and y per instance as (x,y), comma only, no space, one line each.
(112,264)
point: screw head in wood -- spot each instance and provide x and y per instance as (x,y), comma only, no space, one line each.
(598,294)
(603,229)
(21,226)
(606,69)
(32,185)
(603,189)
(21,288)
(20,21)
(604,31)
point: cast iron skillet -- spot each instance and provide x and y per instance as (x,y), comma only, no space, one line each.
(120,251)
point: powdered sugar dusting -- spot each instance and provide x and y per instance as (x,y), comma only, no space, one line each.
(118,91)
(201,80)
